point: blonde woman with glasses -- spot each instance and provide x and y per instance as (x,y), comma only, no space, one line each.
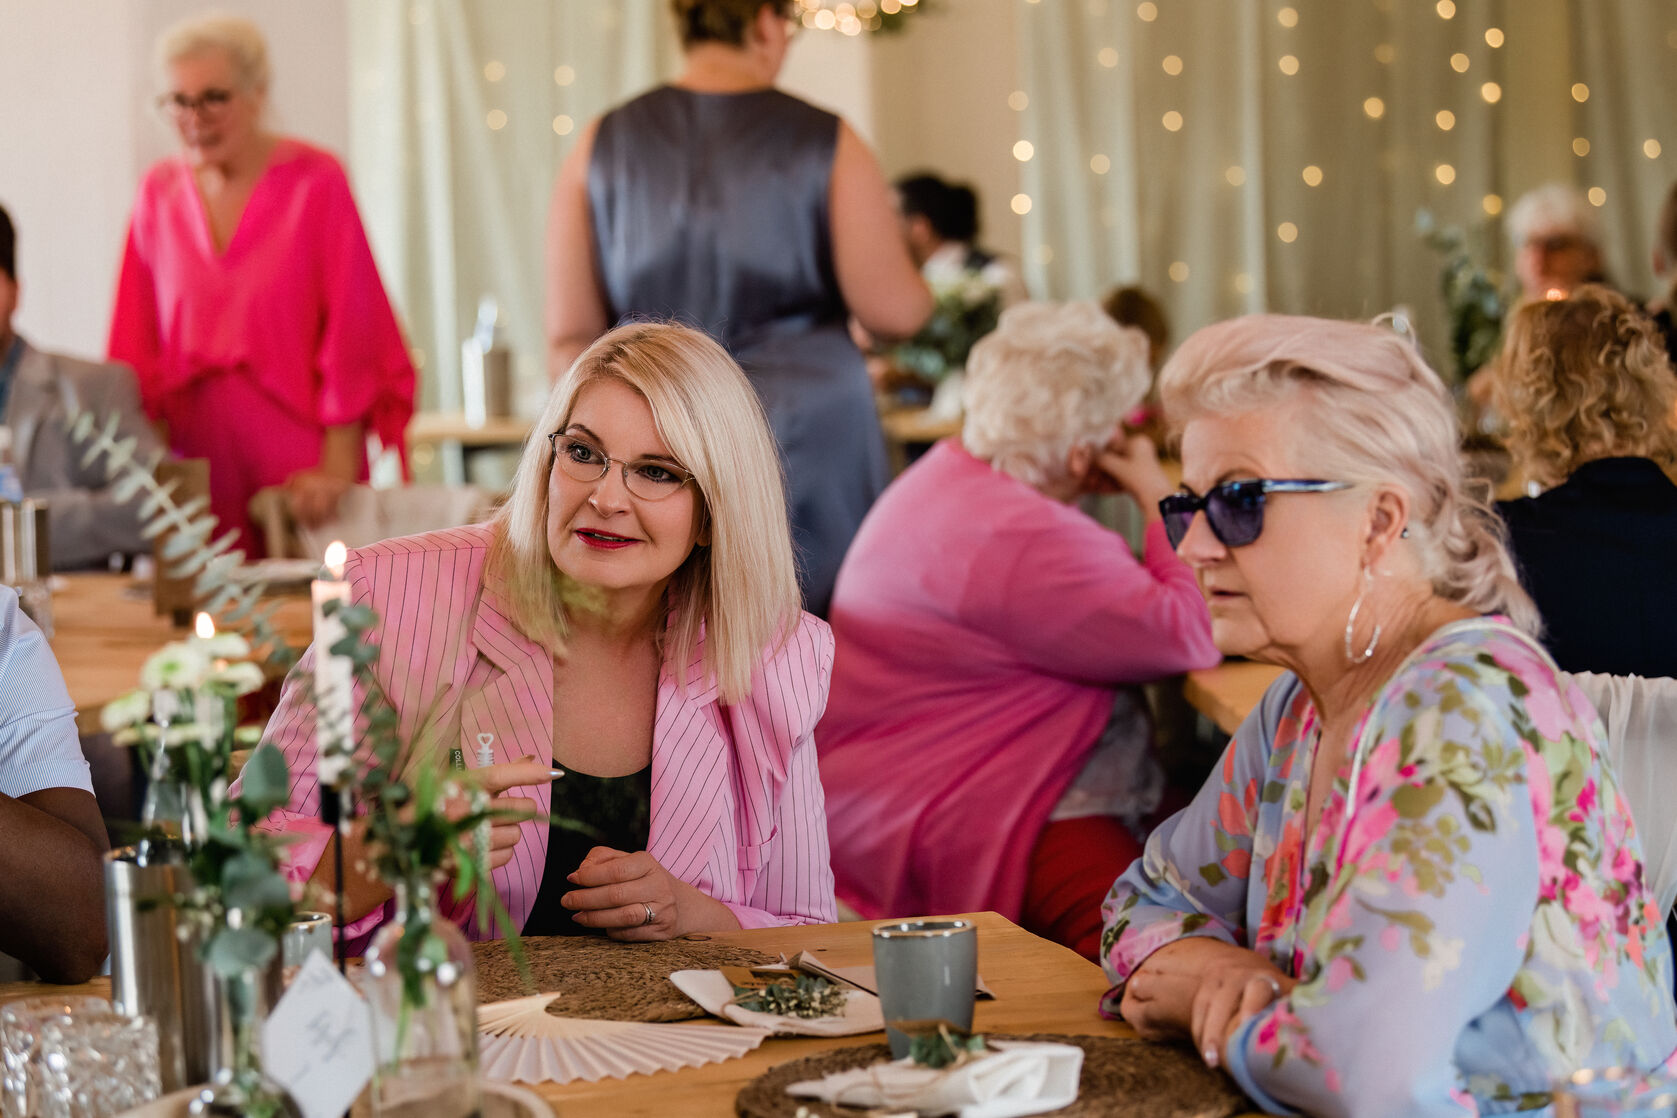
(674,718)
(249,304)
(1412,887)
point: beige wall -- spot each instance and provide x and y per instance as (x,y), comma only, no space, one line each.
(940,90)
(77,130)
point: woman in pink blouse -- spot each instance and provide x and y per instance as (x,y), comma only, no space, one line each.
(674,719)
(249,303)
(984,748)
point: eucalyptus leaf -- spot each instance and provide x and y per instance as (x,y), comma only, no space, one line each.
(267,783)
(233,950)
(251,882)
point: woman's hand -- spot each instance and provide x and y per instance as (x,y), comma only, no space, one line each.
(1230,991)
(1185,988)
(634,898)
(496,780)
(313,494)
(1132,463)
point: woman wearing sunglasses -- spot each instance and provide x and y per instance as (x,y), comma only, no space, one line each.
(249,304)
(674,717)
(1412,886)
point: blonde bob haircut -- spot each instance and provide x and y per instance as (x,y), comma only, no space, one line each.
(1582,378)
(1050,377)
(1374,413)
(739,593)
(240,38)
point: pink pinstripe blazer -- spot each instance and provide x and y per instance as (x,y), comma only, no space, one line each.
(737,806)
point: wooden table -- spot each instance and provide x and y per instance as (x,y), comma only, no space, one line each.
(1039,987)
(105,628)
(1227,693)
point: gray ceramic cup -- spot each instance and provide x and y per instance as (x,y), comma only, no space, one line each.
(927,971)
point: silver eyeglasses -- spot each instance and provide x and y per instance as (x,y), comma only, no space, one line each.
(646,478)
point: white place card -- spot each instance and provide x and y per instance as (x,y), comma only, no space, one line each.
(318,1041)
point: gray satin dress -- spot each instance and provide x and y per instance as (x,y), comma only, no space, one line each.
(711,209)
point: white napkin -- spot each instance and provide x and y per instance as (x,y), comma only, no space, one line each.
(712,990)
(1019,1078)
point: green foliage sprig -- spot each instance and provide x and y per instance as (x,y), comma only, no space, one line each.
(803,995)
(964,311)
(194,550)
(944,1047)
(1472,298)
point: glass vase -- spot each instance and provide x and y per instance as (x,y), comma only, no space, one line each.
(421,989)
(237,1087)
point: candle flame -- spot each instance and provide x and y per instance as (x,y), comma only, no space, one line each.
(336,554)
(203,626)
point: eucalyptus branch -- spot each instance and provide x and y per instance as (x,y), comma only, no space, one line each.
(193,551)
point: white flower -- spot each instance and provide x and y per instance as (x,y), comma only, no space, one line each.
(223,646)
(177,666)
(125,710)
(240,678)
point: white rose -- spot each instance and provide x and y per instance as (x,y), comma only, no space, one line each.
(125,710)
(177,666)
(240,678)
(224,646)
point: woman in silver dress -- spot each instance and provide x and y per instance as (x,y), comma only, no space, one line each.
(726,204)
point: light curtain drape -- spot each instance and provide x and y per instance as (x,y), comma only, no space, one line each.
(1213,208)
(461,112)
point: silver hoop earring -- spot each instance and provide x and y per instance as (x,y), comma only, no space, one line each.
(1351,623)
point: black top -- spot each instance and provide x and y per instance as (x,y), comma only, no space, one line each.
(617,810)
(1599,556)
(1669,329)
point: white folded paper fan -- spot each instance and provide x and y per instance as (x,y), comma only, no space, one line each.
(519,1040)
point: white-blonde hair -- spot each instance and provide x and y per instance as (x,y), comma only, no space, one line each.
(741,590)
(1050,377)
(239,38)
(1375,413)
(1553,206)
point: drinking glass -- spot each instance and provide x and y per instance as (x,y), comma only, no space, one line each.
(309,933)
(1616,1093)
(20,1039)
(927,971)
(98,1064)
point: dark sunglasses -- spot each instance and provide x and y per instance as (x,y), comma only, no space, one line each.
(1234,509)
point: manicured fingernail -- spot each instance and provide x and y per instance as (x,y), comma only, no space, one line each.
(555,774)
(1210,1057)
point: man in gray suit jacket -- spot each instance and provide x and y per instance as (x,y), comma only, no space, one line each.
(37,391)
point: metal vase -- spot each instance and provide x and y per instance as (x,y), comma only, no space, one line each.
(154,970)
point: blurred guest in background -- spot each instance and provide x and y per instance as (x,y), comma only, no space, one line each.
(249,303)
(940,223)
(1556,237)
(1405,889)
(726,204)
(1134,306)
(38,392)
(1591,400)
(985,747)
(1664,304)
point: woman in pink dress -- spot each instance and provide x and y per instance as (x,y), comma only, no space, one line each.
(249,303)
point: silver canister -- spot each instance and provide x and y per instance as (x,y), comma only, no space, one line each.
(155,968)
(26,558)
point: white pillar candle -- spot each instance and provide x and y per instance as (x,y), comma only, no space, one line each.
(333,674)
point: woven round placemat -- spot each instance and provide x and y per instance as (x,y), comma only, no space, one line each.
(1121,1076)
(605,979)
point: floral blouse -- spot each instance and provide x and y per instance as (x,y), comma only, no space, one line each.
(1477,928)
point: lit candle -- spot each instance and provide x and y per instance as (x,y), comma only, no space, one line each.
(207,708)
(333,674)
